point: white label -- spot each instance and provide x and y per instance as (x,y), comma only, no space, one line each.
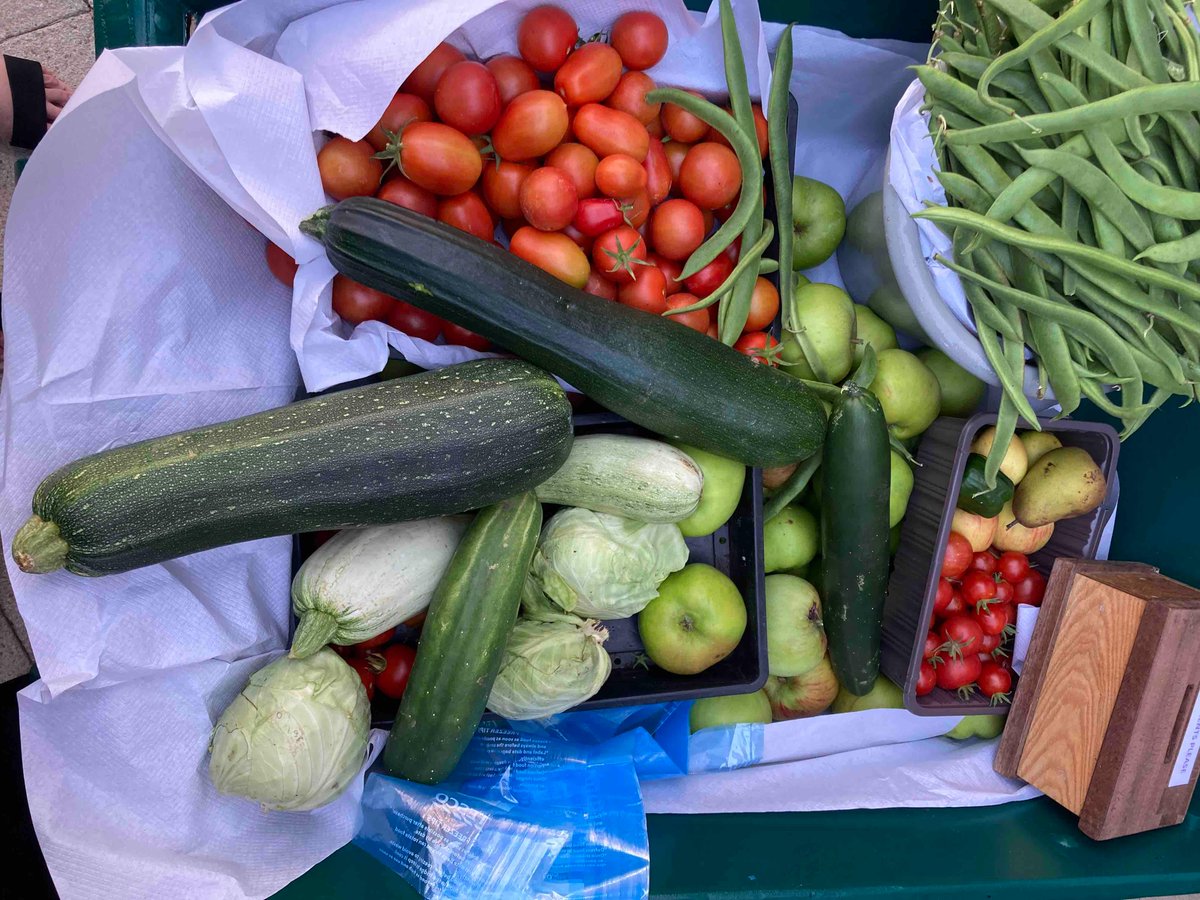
(1188,751)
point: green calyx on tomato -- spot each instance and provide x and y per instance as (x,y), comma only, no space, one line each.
(623,258)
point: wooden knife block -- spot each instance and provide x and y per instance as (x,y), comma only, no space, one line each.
(1106,718)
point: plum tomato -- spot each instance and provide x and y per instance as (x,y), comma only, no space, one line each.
(532,125)
(978,586)
(546,37)
(760,130)
(1013,566)
(958,556)
(983,561)
(402,192)
(459,336)
(680,125)
(348,168)
(401,109)
(711,277)
(658,172)
(282,266)
(619,175)
(640,38)
(675,152)
(958,671)
(468,98)
(995,681)
(710,175)
(759,346)
(597,215)
(698,319)
(439,158)
(1031,589)
(647,293)
(552,252)
(589,74)
(764,305)
(579,163)
(548,199)
(513,76)
(677,229)
(583,241)
(601,287)
(398,663)
(357,303)
(964,635)
(467,212)
(654,128)
(423,80)
(926,679)
(501,183)
(629,96)
(607,131)
(414,322)
(671,269)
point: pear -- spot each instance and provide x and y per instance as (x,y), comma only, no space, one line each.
(1016,460)
(1012,535)
(1063,483)
(1038,444)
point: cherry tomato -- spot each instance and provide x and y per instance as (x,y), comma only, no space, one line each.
(658,172)
(398,662)
(711,277)
(366,671)
(629,96)
(958,555)
(760,130)
(758,346)
(548,199)
(502,187)
(994,680)
(461,337)
(933,643)
(608,131)
(619,175)
(671,269)
(640,38)
(648,293)
(963,633)
(710,175)
(282,266)
(991,643)
(468,98)
(349,168)
(698,319)
(1004,591)
(978,586)
(402,192)
(423,80)
(983,561)
(941,599)
(1013,566)
(379,640)
(467,212)
(532,125)
(956,606)
(414,322)
(926,679)
(681,125)
(993,619)
(619,254)
(601,287)
(401,109)
(579,163)
(958,671)
(553,253)
(439,158)
(636,209)
(546,37)
(1031,589)
(597,215)
(357,303)
(677,229)
(589,75)
(764,305)
(513,76)
(676,152)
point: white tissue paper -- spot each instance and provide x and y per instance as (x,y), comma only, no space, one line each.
(137,303)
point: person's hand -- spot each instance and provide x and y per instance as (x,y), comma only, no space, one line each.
(57,95)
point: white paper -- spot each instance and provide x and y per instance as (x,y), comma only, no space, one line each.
(1189,749)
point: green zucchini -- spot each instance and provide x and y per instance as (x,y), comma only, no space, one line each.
(975,496)
(855,475)
(634,477)
(427,445)
(462,643)
(667,378)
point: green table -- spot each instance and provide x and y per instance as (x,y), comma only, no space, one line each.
(1034,847)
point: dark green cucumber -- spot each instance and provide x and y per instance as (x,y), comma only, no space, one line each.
(462,642)
(975,496)
(665,377)
(856,474)
(427,445)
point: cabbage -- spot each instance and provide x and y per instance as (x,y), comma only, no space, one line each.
(603,566)
(296,734)
(550,665)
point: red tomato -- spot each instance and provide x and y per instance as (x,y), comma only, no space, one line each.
(531,126)
(933,643)
(698,319)
(963,633)
(414,322)
(710,175)
(424,78)
(983,561)
(439,158)
(398,663)
(583,241)
(681,125)
(502,187)
(282,266)
(991,642)
(379,640)
(357,303)
(1004,591)
(546,37)
(461,337)
(468,98)
(711,277)
(993,619)
(671,268)
(712,332)
(467,212)
(760,130)
(676,152)
(619,175)
(589,75)
(647,293)
(655,128)
(553,253)
(995,681)
(658,172)
(941,599)
(579,163)
(513,76)
(548,199)
(958,671)
(366,671)
(636,209)
(758,345)
(1013,566)
(619,253)
(402,109)
(958,555)
(677,229)
(926,679)
(764,305)
(601,287)
(956,606)
(640,38)
(978,586)
(349,168)
(402,192)
(1031,589)
(629,96)
(597,215)
(608,131)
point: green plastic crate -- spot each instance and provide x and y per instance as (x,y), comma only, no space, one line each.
(1032,848)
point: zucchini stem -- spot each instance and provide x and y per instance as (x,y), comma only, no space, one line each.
(38,547)
(315,629)
(314,226)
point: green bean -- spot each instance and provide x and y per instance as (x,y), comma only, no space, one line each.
(1191,58)
(746,148)
(1072,207)
(1137,137)
(1155,359)
(1012,382)
(1005,433)
(1121,39)
(1185,163)
(1051,345)
(747,262)
(1144,38)
(1100,36)
(1108,237)
(1165,25)
(781,163)
(989,30)
(949,90)
(986,312)
(964,191)
(1183,250)
(1020,85)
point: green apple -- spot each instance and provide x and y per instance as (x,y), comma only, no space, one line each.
(790,539)
(719,498)
(884,695)
(864,226)
(962,392)
(900,489)
(802,280)
(870,329)
(736,709)
(795,636)
(908,392)
(890,305)
(696,620)
(818,219)
(986,727)
(802,695)
(826,314)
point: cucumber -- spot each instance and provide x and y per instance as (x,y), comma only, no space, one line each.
(667,378)
(975,496)
(634,477)
(462,643)
(427,445)
(855,475)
